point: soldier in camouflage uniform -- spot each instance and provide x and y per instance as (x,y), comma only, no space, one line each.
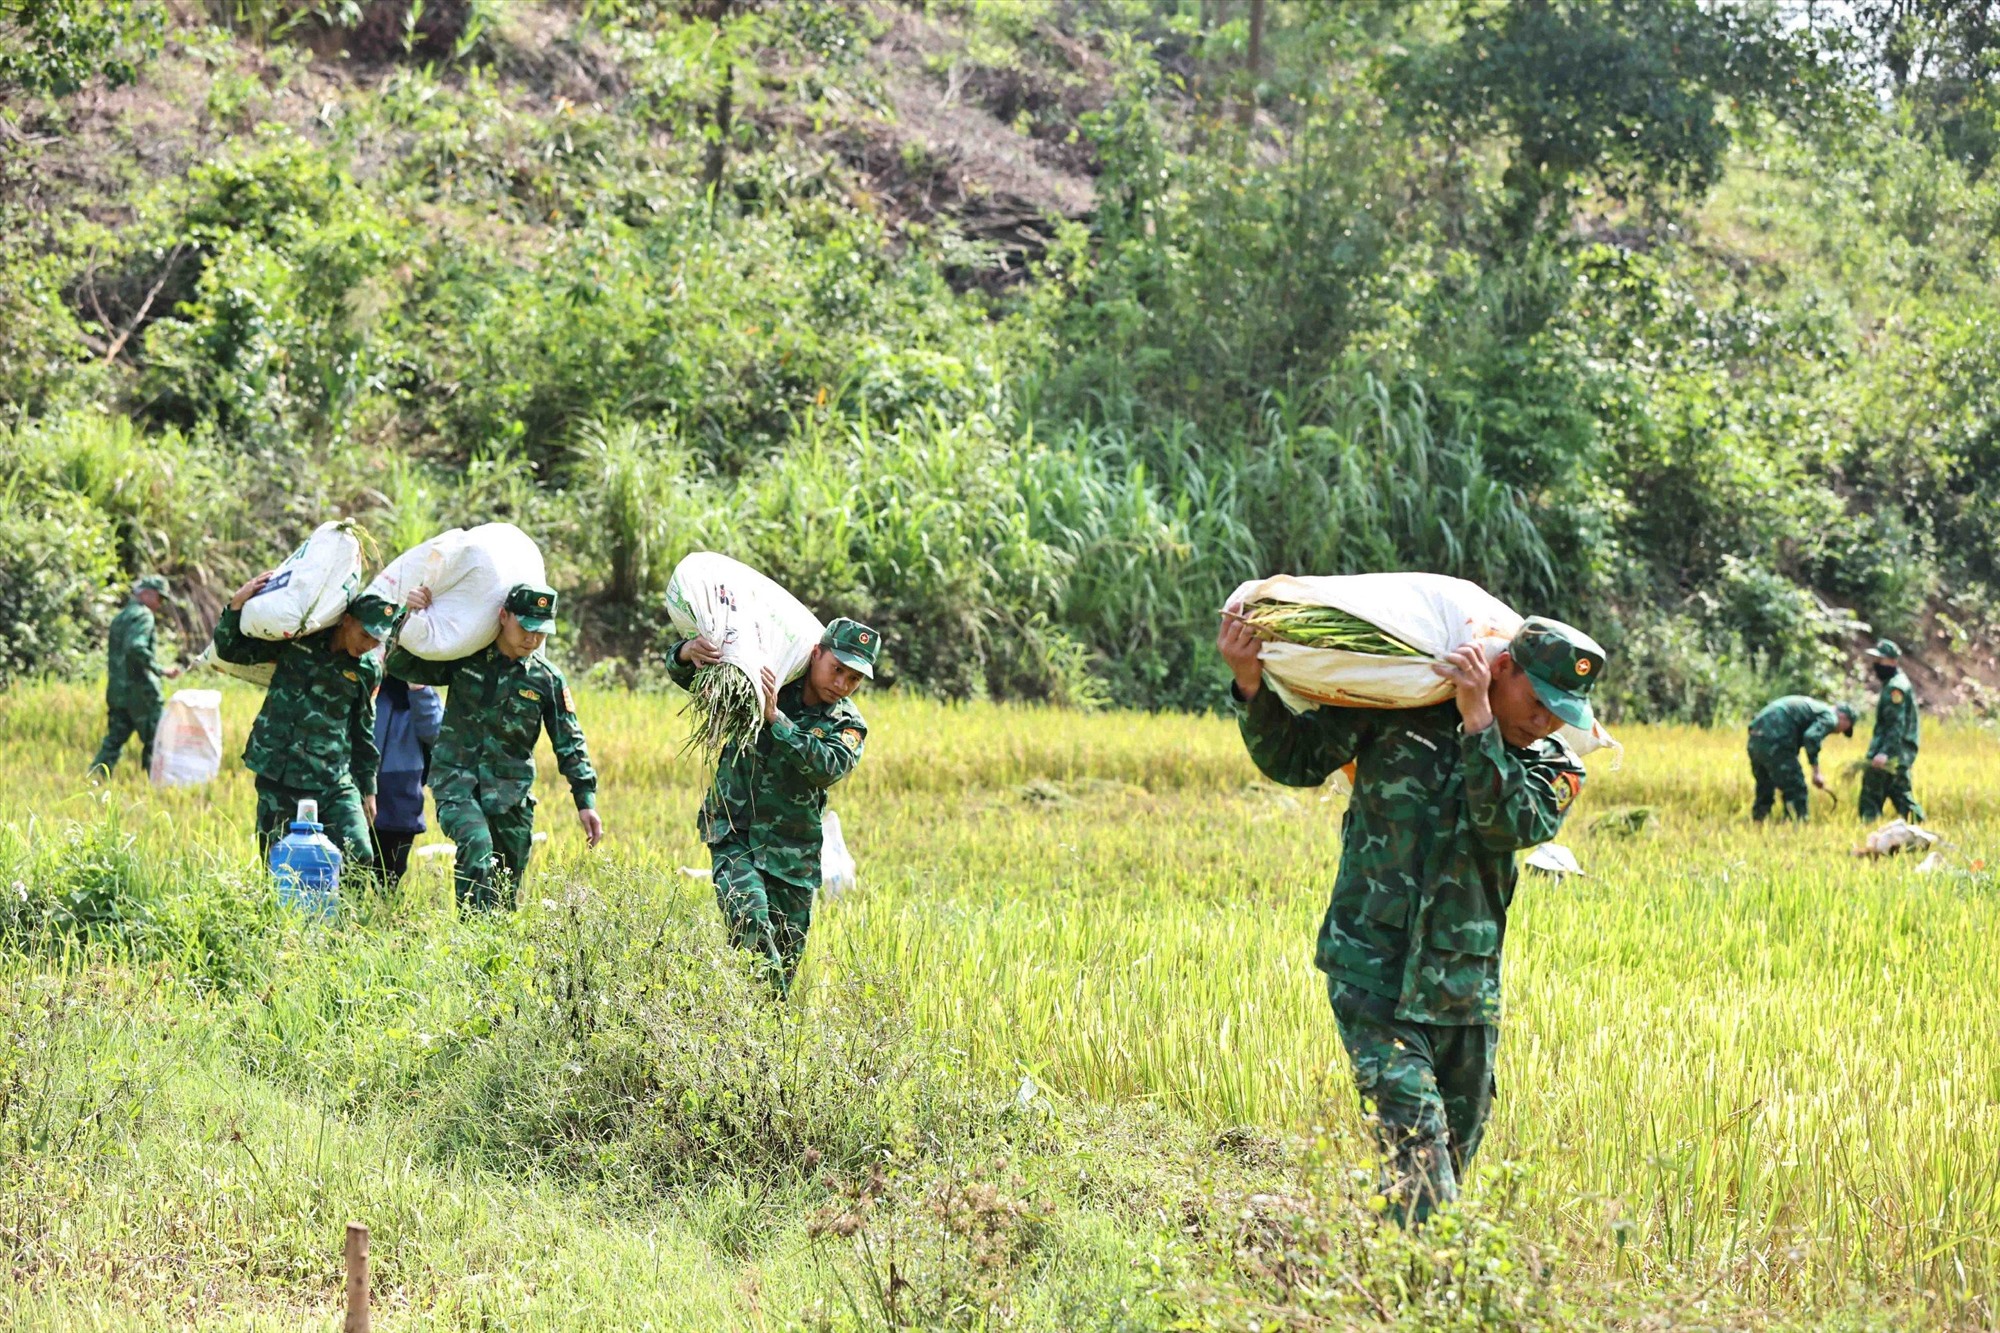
(1777,734)
(1892,749)
(1444,797)
(132,700)
(314,738)
(483,766)
(761,819)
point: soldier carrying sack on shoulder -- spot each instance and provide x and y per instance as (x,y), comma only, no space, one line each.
(314,737)
(1444,797)
(502,698)
(762,817)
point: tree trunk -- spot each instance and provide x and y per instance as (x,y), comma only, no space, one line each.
(718,146)
(1253,66)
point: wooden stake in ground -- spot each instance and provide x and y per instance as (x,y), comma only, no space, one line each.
(357,1280)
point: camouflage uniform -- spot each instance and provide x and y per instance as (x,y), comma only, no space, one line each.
(1411,940)
(314,738)
(483,765)
(1776,735)
(1895,736)
(132,695)
(761,818)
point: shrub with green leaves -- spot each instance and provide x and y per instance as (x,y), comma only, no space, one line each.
(58,556)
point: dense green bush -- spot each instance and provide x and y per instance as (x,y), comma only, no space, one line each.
(57,561)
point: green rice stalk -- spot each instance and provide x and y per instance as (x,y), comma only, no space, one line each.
(1323,627)
(724,709)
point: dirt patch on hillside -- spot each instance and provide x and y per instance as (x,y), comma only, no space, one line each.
(993,152)
(1952,669)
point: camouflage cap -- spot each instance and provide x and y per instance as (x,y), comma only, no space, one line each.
(534,605)
(1847,710)
(152,583)
(854,644)
(1563,664)
(375,615)
(1885,650)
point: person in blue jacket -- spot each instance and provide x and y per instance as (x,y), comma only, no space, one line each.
(407,719)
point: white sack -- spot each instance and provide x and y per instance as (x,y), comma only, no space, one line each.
(187,749)
(836,863)
(258,673)
(1897,836)
(468,572)
(311,590)
(754,622)
(1433,613)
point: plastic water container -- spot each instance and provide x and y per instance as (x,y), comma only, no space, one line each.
(306,865)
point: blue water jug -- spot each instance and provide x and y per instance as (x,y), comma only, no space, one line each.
(306,865)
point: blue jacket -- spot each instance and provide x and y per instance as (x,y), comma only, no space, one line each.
(406,722)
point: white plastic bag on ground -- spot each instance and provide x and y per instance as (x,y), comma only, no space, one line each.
(258,673)
(1897,836)
(1432,613)
(187,749)
(750,618)
(836,863)
(1552,858)
(311,589)
(468,572)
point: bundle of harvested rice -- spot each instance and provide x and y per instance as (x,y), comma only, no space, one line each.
(722,709)
(1322,627)
(755,624)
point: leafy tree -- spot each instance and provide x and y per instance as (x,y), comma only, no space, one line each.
(55,47)
(1636,95)
(1943,58)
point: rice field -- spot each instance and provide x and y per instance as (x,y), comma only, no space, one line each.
(1747,1079)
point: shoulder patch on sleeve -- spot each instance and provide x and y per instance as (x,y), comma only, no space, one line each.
(569,700)
(1895,696)
(851,739)
(1568,785)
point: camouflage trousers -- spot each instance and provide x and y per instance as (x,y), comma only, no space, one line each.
(1427,1088)
(1778,774)
(120,723)
(766,915)
(340,813)
(1891,784)
(492,846)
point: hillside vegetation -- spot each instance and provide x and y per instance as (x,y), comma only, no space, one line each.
(1023,329)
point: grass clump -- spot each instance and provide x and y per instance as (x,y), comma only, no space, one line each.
(643,1055)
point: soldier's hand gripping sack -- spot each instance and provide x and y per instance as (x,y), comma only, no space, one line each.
(311,590)
(1432,613)
(468,572)
(748,617)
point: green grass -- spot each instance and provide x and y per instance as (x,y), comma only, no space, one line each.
(1061,1059)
